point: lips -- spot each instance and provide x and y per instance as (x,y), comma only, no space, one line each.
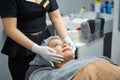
(66,49)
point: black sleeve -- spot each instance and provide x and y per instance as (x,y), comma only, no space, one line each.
(53,5)
(8,8)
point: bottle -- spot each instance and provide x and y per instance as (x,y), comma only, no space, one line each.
(106,6)
(82,12)
(92,6)
(79,34)
(109,8)
(97,5)
(103,8)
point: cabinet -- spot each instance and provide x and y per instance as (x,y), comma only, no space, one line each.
(93,49)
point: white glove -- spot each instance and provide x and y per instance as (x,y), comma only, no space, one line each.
(47,53)
(69,41)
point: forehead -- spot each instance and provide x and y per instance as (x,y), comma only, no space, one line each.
(54,41)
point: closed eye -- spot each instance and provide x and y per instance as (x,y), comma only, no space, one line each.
(55,45)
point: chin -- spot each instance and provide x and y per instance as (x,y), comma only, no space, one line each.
(67,58)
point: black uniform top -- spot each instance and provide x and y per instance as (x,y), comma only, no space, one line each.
(31,17)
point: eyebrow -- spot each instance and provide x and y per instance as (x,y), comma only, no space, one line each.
(53,44)
(56,42)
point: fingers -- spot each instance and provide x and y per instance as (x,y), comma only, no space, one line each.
(51,63)
(73,49)
(51,50)
(57,55)
(56,58)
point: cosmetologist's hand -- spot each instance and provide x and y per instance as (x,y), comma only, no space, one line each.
(69,41)
(47,53)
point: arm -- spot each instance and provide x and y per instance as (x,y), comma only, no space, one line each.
(61,28)
(10,27)
(58,23)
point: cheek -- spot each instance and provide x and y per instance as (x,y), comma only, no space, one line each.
(68,53)
(68,56)
(59,50)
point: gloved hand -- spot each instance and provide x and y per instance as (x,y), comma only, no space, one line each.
(69,41)
(47,53)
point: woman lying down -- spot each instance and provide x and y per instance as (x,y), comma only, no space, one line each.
(88,68)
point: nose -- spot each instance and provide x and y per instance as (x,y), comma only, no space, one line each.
(64,45)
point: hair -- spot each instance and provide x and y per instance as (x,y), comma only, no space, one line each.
(46,41)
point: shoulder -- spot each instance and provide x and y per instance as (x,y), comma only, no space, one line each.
(53,5)
(8,8)
(7,3)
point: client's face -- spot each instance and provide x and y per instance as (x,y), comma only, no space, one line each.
(62,49)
